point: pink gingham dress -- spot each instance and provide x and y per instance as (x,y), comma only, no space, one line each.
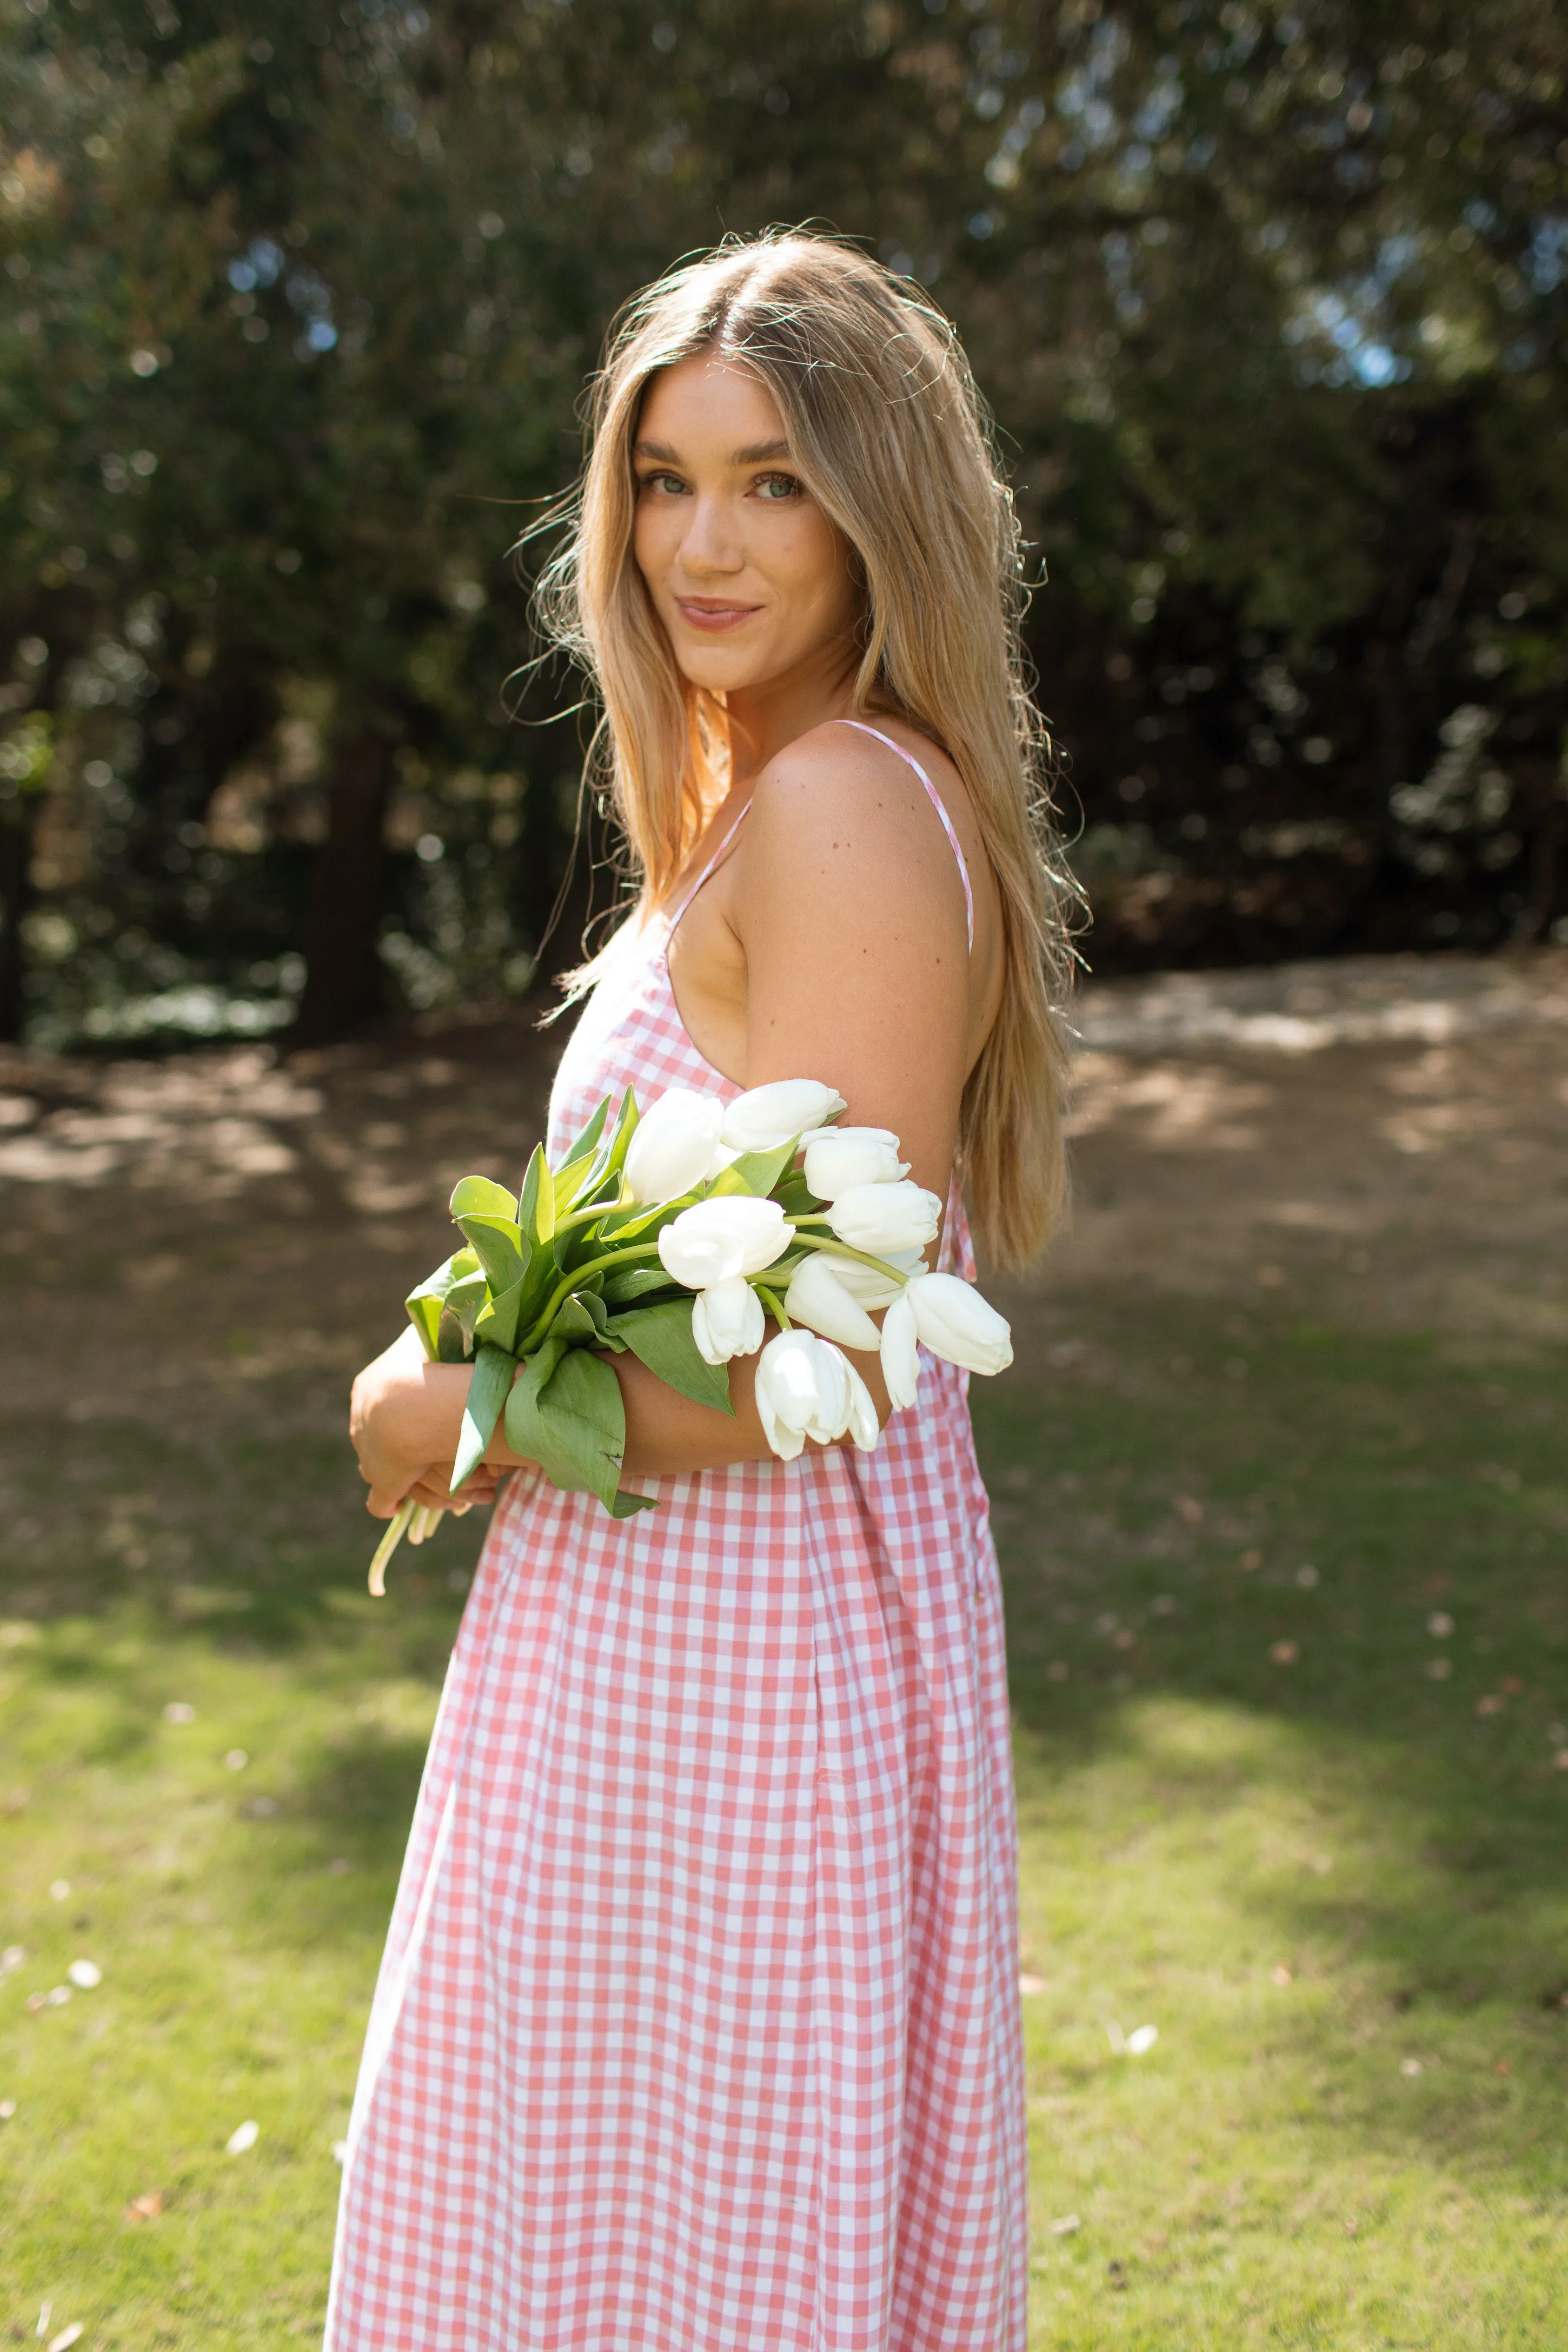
(698,2028)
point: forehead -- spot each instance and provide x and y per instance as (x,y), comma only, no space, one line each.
(705,403)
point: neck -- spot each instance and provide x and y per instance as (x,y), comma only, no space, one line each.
(764,719)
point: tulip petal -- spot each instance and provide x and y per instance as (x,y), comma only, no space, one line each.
(863,1426)
(816,1298)
(764,1116)
(955,1323)
(900,1352)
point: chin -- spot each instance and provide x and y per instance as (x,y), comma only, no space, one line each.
(722,669)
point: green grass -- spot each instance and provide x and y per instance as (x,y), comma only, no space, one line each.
(1197,1819)
(1334,1886)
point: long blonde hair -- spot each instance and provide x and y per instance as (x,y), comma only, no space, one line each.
(891,438)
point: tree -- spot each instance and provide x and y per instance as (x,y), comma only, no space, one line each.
(1267,301)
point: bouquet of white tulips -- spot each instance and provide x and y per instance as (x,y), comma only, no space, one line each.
(761,1207)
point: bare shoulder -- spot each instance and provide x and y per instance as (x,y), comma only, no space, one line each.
(839,808)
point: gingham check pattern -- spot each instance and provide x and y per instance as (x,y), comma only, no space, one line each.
(698,2028)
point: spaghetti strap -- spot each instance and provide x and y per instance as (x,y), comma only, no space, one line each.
(706,873)
(937,802)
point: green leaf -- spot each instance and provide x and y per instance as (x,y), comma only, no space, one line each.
(476,1196)
(571,1421)
(466,1301)
(494,1371)
(499,1246)
(451,1344)
(574,1321)
(620,1290)
(625,1128)
(498,1321)
(755,1171)
(661,1337)
(424,1313)
(536,1209)
(584,1146)
(425,1303)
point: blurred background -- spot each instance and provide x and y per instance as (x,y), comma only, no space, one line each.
(296,306)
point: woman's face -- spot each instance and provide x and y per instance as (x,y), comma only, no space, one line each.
(752,581)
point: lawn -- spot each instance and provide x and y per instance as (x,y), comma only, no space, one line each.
(1282,1525)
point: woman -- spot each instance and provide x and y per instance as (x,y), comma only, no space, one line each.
(697,2029)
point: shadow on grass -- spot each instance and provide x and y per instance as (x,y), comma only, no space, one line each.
(1286,1621)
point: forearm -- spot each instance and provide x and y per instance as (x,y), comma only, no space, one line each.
(408,1415)
(667,1434)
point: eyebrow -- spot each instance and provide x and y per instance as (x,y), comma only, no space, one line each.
(757,453)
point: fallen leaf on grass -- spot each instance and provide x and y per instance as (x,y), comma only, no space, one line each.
(1142,2037)
(236,1759)
(1249,1562)
(1502,2067)
(67,2337)
(244,2137)
(11,1959)
(145,2208)
(1491,1703)
(7,2109)
(1031,1984)
(59,1890)
(1410,2065)
(1285,1653)
(86,1975)
(1439,1670)
(1439,1625)
(179,1711)
(340,2151)
(1281,1973)
(1065,2225)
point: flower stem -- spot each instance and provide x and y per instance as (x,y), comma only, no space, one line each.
(842,1249)
(388,1545)
(771,1304)
(574,1281)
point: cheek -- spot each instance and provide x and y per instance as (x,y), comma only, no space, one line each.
(653,537)
(818,561)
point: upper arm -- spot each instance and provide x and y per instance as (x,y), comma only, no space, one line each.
(849,909)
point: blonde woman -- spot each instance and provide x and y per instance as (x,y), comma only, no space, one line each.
(697,2029)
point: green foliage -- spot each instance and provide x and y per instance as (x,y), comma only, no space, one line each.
(1269,306)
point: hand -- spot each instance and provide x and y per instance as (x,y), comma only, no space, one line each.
(434,1488)
(403,1417)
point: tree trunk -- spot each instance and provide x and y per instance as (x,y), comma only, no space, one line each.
(15,898)
(342,969)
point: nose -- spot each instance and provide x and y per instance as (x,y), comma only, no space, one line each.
(712,543)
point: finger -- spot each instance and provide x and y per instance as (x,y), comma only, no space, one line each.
(384,1502)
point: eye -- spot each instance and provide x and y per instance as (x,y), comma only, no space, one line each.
(776,487)
(666,484)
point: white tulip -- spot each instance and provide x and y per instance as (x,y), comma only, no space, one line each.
(768,1115)
(715,1240)
(847,1156)
(862,1426)
(901,1353)
(881,1217)
(674,1145)
(867,1285)
(727,1320)
(818,1299)
(955,1323)
(806,1388)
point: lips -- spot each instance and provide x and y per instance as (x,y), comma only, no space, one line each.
(714,619)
